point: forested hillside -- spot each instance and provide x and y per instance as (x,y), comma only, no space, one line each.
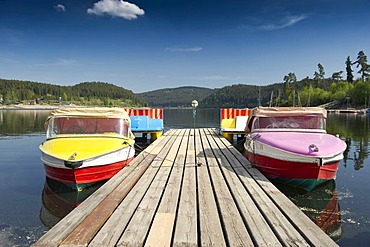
(175,97)
(86,93)
(319,90)
(300,93)
(315,91)
(240,96)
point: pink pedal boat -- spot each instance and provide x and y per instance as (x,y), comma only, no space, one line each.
(291,145)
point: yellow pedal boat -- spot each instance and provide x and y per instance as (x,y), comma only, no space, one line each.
(86,145)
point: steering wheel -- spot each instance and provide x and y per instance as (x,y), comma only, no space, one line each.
(75,129)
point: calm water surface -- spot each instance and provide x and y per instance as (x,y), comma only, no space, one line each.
(30,204)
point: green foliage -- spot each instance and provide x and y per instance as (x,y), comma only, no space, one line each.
(357,93)
(227,96)
(307,92)
(87,93)
(340,90)
(360,93)
(337,76)
(309,96)
(364,66)
(175,97)
(289,85)
(240,96)
(319,77)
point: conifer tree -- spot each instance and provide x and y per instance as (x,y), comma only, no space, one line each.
(349,70)
(365,68)
(319,76)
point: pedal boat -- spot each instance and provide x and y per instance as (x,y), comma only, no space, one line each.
(291,145)
(86,145)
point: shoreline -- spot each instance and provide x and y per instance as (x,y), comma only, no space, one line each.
(53,107)
(29,107)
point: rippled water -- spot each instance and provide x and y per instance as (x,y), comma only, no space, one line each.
(30,203)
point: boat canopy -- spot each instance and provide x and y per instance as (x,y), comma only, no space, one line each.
(272,112)
(103,112)
(88,121)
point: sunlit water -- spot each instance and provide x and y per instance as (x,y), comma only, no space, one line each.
(30,204)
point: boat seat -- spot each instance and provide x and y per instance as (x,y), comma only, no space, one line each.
(241,122)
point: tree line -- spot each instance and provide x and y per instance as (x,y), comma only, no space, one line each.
(175,97)
(320,89)
(315,91)
(86,93)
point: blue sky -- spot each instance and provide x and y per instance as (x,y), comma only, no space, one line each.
(153,44)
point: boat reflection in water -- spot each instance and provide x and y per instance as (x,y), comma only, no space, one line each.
(58,199)
(320,205)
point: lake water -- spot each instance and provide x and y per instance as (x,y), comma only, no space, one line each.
(30,203)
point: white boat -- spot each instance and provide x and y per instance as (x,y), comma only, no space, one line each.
(86,145)
(290,145)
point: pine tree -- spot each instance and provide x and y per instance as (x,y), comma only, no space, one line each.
(349,70)
(365,68)
(319,76)
(337,76)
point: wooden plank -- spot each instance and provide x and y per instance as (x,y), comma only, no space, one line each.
(282,228)
(211,233)
(294,216)
(236,232)
(115,225)
(138,227)
(189,188)
(186,224)
(111,231)
(63,228)
(161,230)
(87,229)
(307,228)
(251,216)
(312,233)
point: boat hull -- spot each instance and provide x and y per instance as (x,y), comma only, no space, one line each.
(99,168)
(83,177)
(302,175)
(303,170)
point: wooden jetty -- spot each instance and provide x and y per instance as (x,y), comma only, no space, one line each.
(190,187)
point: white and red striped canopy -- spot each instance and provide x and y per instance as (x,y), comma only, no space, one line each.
(228,113)
(150,112)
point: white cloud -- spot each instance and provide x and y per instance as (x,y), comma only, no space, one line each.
(60,8)
(287,22)
(216,78)
(58,62)
(116,8)
(221,78)
(64,62)
(13,36)
(179,49)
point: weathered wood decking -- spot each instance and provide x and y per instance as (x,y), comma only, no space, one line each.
(188,188)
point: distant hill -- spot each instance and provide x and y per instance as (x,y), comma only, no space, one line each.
(237,96)
(86,93)
(241,96)
(304,92)
(175,97)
